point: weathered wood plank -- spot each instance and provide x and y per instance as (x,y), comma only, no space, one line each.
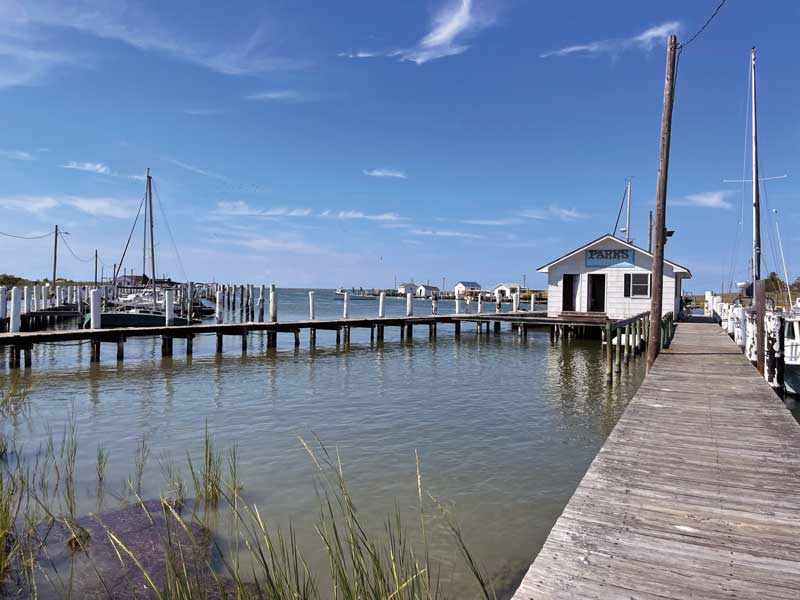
(694,494)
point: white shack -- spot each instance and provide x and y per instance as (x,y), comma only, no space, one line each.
(427,291)
(506,290)
(407,288)
(462,289)
(610,276)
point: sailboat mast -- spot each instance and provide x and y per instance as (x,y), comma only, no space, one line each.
(756,203)
(144,234)
(152,238)
(628,220)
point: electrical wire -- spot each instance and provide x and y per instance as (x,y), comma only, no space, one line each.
(706,24)
(619,214)
(26,237)
(75,256)
(136,220)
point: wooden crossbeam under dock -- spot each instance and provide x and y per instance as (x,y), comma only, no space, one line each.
(695,494)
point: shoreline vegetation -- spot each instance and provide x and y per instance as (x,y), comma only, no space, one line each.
(165,548)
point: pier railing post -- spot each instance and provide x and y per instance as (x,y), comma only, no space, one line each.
(218,307)
(480,305)
(381,310)
(94,307)
(409,305)
(273,304)
(458,304)
(618,352)
(169,306)
(434,306)
(311,308)
(261,293)
(3,307)
(609,355)
(346,306)
(27,300)
(36,295)
(15,318)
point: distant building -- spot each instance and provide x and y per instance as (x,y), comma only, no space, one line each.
(427,291)
(506,290)
(610,276)
(467,288)
(407,288)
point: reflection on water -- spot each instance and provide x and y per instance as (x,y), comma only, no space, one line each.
(505,427)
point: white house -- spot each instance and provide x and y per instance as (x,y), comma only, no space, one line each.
(506,290)
(467,288)
(609,276)
(407,288)
(427,291)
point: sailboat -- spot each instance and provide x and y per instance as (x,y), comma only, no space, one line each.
(144,309)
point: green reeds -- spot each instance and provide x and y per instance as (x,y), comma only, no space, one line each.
(102,461)
(207,480)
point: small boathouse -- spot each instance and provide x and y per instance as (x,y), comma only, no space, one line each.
(609,276)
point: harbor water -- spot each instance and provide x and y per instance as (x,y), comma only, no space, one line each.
(504,426)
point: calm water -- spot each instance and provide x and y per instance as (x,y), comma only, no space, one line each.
(505,427)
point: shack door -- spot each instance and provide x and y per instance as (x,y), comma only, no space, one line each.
(597,293)
(570,289)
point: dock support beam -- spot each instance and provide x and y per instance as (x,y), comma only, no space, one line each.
(120,349)
(609,355)
(219,343)
(189,344)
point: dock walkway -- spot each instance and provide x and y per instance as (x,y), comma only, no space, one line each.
(695,494)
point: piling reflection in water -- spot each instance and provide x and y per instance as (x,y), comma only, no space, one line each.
(505,426)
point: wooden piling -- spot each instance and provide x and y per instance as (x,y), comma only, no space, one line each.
(609,356)
(27,353)
(219,343)
(244,343)
(312,337)
(296,338)
(120,349)
(189,344)
(618,353)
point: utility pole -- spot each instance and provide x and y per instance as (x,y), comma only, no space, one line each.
(524,281)
(756,203)
(95,267)
(55,259)
(650,233)
(654,343)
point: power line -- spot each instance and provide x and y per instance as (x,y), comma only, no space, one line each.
(26,237)
(706,24)
(75,256)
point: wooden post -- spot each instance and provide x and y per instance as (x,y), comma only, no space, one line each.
(409,305)
(219,343)
(273,304)
(382,309)
(244,343)
(780,360)
(497,325)
(26,351)
(627,343)
(94,355)
(618,352)
(15,320)
(218,309)
(458,328)
(3,307)
(338,335)
(409,331)
(661,201)
(380,333)
(120,349)
(166,345)
(760,301)
(371,333)
(296,338)
(261,294)
(189,344)
(169,306)
(26,300)
(458,303)
(311,308)
(609,355)
(434,306)
(346,306)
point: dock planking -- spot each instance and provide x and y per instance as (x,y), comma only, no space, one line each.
(694,494)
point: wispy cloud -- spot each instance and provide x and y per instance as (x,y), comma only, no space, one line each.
(554,211)
(97,207)
(706,200)
(451,26)
(356,214)
(493,222)
(445,233)
(201,112)
(237,208)
(28,53)
(277,96)
(642,41)
(17,155)
(102,207)
(33,204)
(197,170)
(385,172)
(91,167)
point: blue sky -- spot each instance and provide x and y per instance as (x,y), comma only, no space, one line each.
(349,143)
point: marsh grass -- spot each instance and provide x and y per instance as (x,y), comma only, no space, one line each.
(102,461)
(258,561)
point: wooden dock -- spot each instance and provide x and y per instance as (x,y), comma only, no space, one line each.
(695,494)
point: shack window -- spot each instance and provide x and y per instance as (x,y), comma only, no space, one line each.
(789,331)
(637,285)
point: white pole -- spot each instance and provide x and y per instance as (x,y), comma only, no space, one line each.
(169,306)
(347,305)
(273,304)
(311,313)
(533,301)
(218,308)
(14,324)
(46,296)
(497,305)
(434,306)
(3,302)
(36,296)
(480,304)
(26,306)
(409,305)
(94,308)
(382,305)
(58,295)
(458,304)
(261,293)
